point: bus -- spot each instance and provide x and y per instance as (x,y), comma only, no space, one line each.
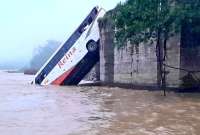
(75,57)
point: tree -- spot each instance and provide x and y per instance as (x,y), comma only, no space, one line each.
(42,53)
(139,21)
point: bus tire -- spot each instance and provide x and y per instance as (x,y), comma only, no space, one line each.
(92,46)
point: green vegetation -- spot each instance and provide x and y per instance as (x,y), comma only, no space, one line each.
(139,20)
(155,21)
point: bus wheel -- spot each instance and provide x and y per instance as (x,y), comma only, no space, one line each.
(92,46)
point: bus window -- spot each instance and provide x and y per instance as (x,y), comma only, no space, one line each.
(82,28)
(63,50)
(90,20)
(96,11)
(42,76)
(50,66)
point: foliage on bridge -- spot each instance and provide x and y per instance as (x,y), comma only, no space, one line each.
(140,20)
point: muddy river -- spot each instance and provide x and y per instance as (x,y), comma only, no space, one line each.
(27,109)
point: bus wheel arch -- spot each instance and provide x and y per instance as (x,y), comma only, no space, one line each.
(92,46)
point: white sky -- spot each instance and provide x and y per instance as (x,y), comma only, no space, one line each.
(25,24)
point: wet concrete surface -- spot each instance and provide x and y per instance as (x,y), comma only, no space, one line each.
(27,109)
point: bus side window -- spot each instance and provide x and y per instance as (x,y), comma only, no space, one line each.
(42,76)
(49,66)
(95,11)
(82,28)
(63,50)
(90,20)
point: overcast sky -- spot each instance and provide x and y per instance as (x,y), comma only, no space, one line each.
(25,24)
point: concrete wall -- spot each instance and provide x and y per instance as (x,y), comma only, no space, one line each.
(135,64)
(173,59)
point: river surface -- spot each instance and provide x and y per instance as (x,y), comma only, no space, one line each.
(27,109)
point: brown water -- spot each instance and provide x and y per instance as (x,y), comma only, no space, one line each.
(27,109)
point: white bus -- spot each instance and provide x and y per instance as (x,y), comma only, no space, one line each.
(76,57)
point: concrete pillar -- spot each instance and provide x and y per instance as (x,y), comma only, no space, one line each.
(107,51)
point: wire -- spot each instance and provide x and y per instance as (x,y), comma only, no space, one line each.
(190,71)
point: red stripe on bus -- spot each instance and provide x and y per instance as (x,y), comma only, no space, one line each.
(61,78)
